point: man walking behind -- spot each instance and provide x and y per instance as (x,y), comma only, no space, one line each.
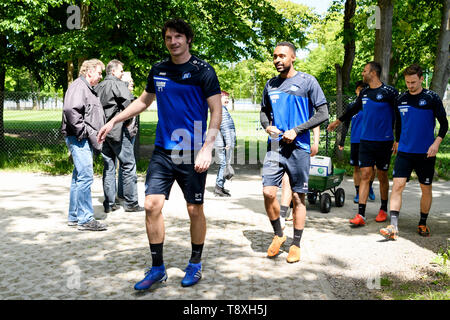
(287,116)
(185,87)
(417,147)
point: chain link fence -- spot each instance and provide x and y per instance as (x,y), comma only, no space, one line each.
(32,133)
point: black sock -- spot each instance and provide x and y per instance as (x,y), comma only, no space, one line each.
(384,205)
(283,211)
(196,255)
(276,224)
(362,209)
(423,219)
(157,254)
(357,190)
(394,218)
(297,237)
(291,205)
(370,184)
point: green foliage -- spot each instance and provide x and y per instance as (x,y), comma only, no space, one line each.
(442,257)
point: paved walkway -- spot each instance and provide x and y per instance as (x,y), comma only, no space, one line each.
(43,258)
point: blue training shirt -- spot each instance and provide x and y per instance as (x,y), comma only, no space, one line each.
(291,102)
(378,117)
(181,92)
(418,115)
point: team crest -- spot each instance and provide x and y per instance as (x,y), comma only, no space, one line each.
(422,102)
(186,75)
(379,96)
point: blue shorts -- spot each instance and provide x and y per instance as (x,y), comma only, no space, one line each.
(163,171)
(287,158)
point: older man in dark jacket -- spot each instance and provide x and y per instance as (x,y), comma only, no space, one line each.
(83,116)
(115,97)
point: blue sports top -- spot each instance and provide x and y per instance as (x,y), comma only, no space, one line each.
(417,114)
(181,92)
(291,102)
(378,117)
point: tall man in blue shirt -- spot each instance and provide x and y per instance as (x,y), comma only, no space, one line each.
(378,101)
(287,116)
(416,145)
(185,87)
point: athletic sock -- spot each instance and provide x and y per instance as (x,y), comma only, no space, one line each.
(384,205)
(370,184)
(394,218)
(291,205)
(362,209)
(196,255)
(297,237)
(276,225)
(423,219)
(156,250)
(357,190)
(283,211)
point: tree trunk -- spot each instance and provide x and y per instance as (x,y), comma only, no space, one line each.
(442,65)
(70,70)
(339,109)
(383,38)
(349,42)
(3,48)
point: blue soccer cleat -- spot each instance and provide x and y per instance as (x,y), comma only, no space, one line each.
(371,194)
(193,274)
(152,275)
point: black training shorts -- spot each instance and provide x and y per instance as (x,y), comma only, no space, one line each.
(375,153)
(163,170)
(405,163)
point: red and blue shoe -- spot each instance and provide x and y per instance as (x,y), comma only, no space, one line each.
(193,274)
(152,275)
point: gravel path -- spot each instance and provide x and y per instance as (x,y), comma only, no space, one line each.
(43,258)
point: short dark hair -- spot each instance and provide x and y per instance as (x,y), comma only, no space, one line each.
(375,66)
(112,65)
(359,83)
(412,70)
(180,26)
(287,44)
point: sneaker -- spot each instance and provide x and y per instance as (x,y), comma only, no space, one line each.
(114,207)
(294,254)
(424,231)
(371,194)
(92,225)
(152,275)
(193,274)
(289,216)
(382,216)
(218,192)
(390,232)
(356,198)
(358,220)
(119,200)
(274,247)
(72,223)
(137,208)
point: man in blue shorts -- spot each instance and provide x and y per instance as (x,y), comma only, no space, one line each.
(378,101)
(287,116)
(355,136)
(184,87)
(417,147)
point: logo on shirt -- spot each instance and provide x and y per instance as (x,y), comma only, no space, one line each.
(162,73)
(294,88)
(422,102)
(186,75)
(403,110)
(379,96)
(404,102)
(274,98)
(160,85)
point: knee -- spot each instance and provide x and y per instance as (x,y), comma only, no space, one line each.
(269,194)
(398,187)
(195,211)
(152,207)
